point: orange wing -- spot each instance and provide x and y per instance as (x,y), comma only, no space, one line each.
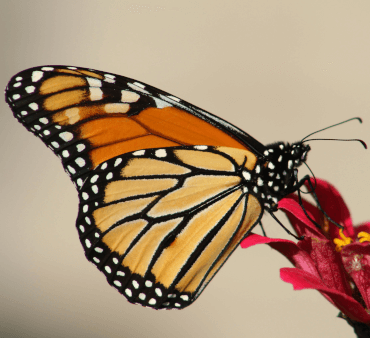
(87,117)
(160,223)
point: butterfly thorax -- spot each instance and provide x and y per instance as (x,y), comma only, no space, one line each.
(277,176)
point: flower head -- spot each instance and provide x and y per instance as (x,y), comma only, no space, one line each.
(332,261)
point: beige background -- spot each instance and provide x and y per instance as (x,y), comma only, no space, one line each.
(277,69)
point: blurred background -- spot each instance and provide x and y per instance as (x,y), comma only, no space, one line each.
(277,69)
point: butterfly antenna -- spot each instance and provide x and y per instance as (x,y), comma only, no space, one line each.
(337,139)
(334,125)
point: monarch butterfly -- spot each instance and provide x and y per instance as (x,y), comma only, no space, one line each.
(167,190)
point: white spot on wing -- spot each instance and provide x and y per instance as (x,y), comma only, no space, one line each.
(80,161)
(247,176)
(160,103)
(16,96)
(44,120)
(138,152)
(17,84)
(201,147)
(117,161)
(66,136)
(47,68)
(36,75)
(33,106)
(94,178)
(71,170)
(96,94)
(93,82)
(30,89)
(127,96)
(80,147)
(138,86)
(158,291)
(160,153)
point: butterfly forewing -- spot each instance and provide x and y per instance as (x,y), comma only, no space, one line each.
(160,222)
(87,117)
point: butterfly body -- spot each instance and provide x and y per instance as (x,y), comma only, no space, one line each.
(167,191)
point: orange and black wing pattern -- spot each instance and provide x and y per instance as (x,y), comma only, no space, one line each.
(159,223)
(87,117)
(167,190)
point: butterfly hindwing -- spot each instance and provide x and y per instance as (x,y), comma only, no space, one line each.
(159,223)
(87,117)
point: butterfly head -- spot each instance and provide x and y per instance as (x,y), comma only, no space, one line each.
(298,153)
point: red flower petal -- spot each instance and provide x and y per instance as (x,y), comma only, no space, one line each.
(301,224)
(356,260)
(303,280)
(253,239)
(332,202)
(328,263)
(289,249)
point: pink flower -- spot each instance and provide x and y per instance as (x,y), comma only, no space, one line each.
(332,261)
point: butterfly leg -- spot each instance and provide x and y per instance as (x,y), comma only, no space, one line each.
(301,183)
(286,229)
(262,228)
